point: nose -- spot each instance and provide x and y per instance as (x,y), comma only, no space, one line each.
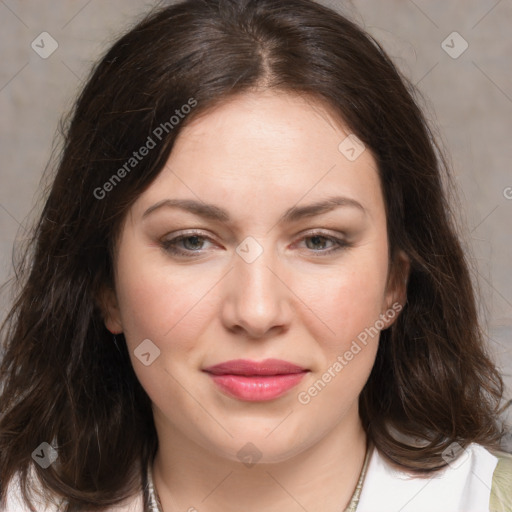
(257,302)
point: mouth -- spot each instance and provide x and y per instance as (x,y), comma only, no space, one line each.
(256,381)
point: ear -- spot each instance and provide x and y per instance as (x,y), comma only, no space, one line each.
(396,289)
(107,302)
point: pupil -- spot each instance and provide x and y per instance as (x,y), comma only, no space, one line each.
(315,239)
(195,243)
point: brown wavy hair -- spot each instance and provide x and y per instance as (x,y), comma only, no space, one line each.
(64,379)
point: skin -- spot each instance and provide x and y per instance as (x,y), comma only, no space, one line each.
(256,156)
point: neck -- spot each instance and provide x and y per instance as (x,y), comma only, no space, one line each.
(321,477)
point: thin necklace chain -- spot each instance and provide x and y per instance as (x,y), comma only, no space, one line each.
(152,500)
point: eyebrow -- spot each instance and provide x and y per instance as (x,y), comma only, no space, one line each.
(293,214)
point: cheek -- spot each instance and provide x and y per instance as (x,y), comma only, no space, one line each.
(165,307)
(351,300)
(350,309)
(170,309)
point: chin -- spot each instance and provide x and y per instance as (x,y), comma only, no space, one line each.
(270,446)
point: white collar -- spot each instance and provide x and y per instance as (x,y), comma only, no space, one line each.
(463,486)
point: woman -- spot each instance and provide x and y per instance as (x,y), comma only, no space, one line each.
(246,291)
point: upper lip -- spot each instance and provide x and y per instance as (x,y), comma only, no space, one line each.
(247,367)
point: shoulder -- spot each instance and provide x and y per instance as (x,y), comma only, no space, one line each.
(501,490)
(15,503)
(464,485)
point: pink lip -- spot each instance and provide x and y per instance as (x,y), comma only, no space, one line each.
(256,380)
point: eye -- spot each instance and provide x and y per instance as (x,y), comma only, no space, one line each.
(319,241)
(192,243)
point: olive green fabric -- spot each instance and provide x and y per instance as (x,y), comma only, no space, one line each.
(501,490)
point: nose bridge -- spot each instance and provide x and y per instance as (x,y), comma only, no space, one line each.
(258,294)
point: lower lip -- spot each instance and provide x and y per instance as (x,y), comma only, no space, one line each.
(257,388)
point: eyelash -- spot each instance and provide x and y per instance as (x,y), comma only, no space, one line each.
(170,245)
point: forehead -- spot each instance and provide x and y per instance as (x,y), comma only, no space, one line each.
(275,149)
(272,125)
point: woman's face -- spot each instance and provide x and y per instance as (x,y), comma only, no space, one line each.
(260,276)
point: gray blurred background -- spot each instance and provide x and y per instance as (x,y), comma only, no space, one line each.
(457,52)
